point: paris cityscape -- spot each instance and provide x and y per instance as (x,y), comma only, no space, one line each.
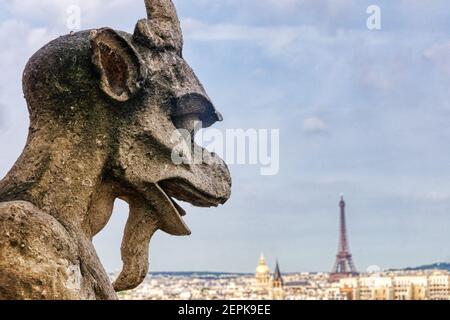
(342,283)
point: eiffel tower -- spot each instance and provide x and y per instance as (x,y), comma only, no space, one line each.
(344,266)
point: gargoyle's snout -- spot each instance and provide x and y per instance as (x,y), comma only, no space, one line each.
(205,185)
(196,104)
(207,181)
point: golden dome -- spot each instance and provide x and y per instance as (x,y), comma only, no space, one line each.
(262,268)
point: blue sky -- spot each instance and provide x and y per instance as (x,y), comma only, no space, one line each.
(361,112)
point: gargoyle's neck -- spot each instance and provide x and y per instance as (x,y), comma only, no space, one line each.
(60,172)
(58,175)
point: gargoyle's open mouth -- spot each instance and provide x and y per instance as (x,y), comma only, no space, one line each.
(170,213)
(182,190)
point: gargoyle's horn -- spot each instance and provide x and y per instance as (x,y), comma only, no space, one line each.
(161,10)
(162,28)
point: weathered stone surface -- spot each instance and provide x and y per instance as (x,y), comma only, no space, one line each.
(104,106)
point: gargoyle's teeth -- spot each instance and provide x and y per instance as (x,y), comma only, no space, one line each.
(168,212)
(180,210)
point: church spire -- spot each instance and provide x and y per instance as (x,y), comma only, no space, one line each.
(277,274)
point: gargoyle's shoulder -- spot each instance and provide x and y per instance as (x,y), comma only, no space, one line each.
(19,207)
(38,257)
(24,214)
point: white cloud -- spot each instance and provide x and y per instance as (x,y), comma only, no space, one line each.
(291,44)
(437,196)
(2,119)
(439,56)
(54,13)
(442,196)
(314,125)
(202,31)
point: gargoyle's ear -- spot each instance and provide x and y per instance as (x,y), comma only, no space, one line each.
(117,62)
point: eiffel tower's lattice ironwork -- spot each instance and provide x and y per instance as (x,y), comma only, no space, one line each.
(344,266)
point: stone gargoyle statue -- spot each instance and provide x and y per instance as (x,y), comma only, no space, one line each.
(104,106)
